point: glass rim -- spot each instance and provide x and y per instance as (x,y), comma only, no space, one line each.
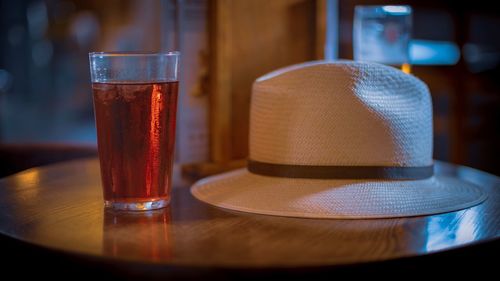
(133,54)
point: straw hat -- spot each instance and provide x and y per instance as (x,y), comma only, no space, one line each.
(339,140)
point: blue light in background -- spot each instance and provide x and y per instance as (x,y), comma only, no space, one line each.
(426,52)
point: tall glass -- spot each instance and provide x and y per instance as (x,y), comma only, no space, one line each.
(382,34)
(135,103)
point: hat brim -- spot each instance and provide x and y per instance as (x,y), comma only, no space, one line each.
(241,190)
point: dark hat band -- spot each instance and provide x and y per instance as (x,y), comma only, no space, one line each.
(340,172)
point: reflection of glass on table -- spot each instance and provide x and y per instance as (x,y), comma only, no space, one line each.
(151,238)
(382,34)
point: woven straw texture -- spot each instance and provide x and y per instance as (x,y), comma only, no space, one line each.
(339,113)
(345,199)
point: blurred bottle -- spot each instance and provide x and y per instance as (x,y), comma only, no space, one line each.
(382,34)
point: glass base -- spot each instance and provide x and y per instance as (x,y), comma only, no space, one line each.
(137,206)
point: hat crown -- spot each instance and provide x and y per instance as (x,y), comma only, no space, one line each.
(342,114)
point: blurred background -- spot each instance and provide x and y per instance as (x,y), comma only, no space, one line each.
(45,95)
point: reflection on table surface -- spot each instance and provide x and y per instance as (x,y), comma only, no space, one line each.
(137,234)
(60,207)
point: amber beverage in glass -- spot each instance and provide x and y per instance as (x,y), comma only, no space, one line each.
(135,102)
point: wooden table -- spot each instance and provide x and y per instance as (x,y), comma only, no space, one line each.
(59,208)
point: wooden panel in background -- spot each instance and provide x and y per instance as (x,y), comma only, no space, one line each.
(220,80)
(249,39)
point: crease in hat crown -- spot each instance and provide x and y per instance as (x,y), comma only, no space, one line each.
(341,113)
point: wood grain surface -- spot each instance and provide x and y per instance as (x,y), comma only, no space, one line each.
(60,207)
(247,40)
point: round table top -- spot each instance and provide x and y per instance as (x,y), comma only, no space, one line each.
(61,207)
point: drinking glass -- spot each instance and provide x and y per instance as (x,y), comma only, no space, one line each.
(135,103)
(382,34)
